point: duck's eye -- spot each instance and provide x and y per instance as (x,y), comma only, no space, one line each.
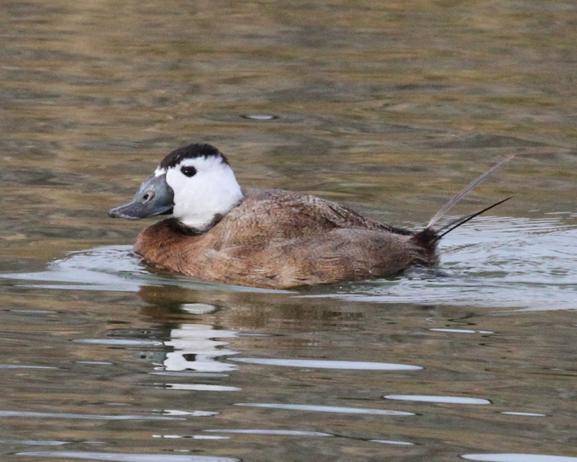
(148,196)
(188,170)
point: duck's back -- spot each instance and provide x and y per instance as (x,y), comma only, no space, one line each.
(283,239)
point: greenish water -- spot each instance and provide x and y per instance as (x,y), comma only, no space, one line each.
(389,107)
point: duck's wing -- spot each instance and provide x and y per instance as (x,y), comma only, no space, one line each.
(278,214)
(344,217)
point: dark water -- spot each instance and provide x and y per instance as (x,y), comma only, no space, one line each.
(388,106)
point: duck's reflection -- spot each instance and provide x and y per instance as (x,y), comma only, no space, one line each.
(196,326)
(197,347)
(248,311)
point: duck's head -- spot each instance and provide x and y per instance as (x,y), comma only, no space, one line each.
(194,183)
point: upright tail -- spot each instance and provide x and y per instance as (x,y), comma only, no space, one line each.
(429,236)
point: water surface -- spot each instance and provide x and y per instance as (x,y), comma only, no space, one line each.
(390,107)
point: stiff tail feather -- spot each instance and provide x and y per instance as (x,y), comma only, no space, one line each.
(461,221)
(430,235)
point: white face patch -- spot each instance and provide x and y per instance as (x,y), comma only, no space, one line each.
(159,171)
(212,191)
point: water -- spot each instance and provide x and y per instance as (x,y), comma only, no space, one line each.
(390,107)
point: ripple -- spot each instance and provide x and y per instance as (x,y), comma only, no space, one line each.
(179,413)
(198,387)
(260,117)
(260,431)
(393,442)
(35,442)
(24,366)
(95,363)
(461,331)
(198,308)
(192,437)
(518,457)
(129,342)
(33,312)
(331,409)
(439,399)
(524,414)
(209,375)
(64,415)
(328,364)
(127,457)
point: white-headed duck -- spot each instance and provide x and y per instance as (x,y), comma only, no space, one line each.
(267,237)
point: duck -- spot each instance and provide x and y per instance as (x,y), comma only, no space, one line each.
(269,238)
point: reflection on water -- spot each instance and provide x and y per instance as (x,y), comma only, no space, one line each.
(195,347)
(388,106)
(186,378)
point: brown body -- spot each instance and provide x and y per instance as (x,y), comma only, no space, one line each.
(280,239)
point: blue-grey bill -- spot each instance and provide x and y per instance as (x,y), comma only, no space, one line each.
(154,197)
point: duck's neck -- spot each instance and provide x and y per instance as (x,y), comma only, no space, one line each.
(181,228)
